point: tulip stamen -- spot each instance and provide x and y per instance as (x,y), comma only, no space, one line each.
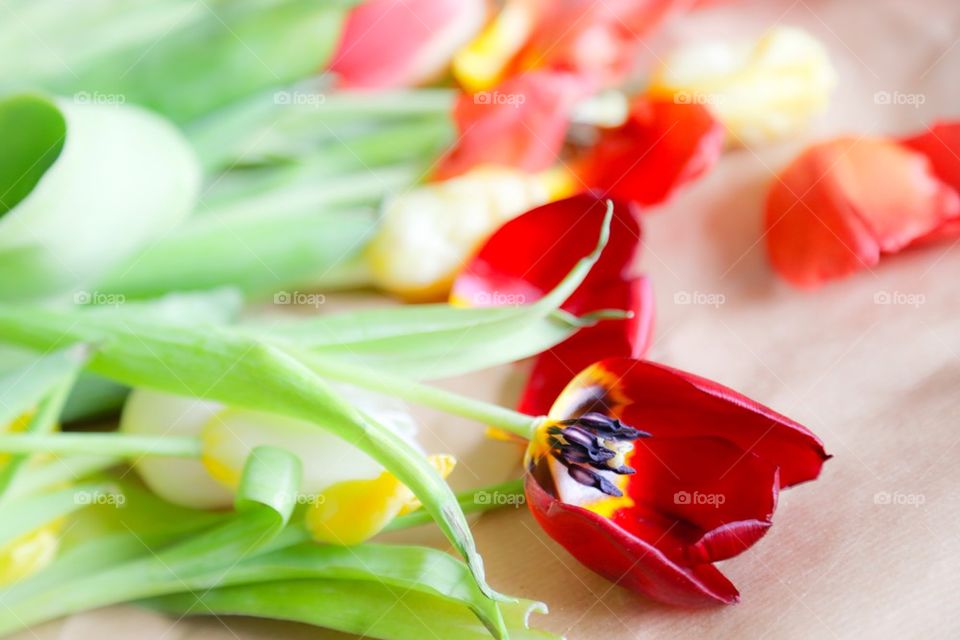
(593,443)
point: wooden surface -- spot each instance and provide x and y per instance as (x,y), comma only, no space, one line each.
(879,383)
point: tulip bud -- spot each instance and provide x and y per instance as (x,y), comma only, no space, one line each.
(78,198)
(761,91)
(229,434)
(181,481)
(427,233)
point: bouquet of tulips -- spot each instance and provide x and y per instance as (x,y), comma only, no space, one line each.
(171,166)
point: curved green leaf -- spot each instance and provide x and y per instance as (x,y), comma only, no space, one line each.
(181,59)
(219,364)
(367,608)
(440,340)
(264,503)
(79,195)
(24,387)
(26,514)
(44,418)
(106,535)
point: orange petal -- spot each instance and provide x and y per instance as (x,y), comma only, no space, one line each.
(842,204)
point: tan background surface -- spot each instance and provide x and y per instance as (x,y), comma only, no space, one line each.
(877,382)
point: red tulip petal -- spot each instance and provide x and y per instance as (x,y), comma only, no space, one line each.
(941,144)
(553,369)
(597,40)
(529,255)
(628,560)
(387,44)
(520,124)
(720,497)
(661,146)
(842,204)
(670,403)
(554,237)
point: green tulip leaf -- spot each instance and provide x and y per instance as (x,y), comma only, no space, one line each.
(264,504)
(83,187)
(368,608)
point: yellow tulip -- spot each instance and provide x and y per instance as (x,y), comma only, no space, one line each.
(427,233)
(353,511)
(335,473)
(761,90)
(182,481)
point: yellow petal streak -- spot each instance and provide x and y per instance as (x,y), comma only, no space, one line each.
(480,64)
(29,553)
(351,512)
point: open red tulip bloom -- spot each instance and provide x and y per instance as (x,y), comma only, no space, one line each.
(553,237)
(661,146)
(843,204)
(649,475)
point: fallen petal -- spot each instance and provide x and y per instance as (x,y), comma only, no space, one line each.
(842,204)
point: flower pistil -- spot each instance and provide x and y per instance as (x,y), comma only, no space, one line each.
(592,443)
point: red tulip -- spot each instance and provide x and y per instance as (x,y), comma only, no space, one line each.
(521,124)
(595,40)
(662,145)
(399,43)
(654,513)
(553,237)
(843,204)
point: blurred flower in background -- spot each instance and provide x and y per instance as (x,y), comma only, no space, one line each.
(387,44)
(762,90)
(427,233)
(596,41)
(662,145)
